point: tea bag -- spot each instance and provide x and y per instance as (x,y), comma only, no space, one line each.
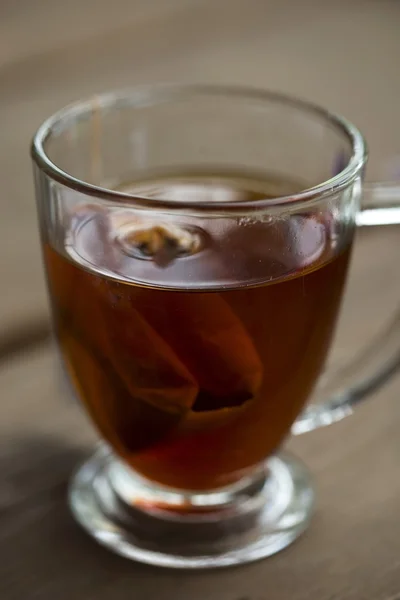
(211,341)
(202,328)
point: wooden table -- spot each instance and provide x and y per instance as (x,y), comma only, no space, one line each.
(341,54)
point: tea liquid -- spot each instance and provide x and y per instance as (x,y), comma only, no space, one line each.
(195,369)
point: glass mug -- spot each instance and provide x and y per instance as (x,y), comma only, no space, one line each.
(196,242)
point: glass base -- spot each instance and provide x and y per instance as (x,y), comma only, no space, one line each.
(134,517)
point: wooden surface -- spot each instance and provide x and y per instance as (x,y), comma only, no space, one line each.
(341,54)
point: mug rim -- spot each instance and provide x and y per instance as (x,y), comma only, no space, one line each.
(139,96)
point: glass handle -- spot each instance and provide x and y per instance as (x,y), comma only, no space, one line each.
(342,389)
(380,204)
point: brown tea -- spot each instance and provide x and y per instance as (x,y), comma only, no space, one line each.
(194,355)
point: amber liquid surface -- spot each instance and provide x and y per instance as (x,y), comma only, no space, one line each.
(194,371)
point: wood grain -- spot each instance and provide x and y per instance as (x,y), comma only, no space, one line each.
(341,54)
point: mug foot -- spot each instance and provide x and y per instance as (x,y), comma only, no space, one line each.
(235,525)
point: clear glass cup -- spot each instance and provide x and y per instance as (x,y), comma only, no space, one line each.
(194,322)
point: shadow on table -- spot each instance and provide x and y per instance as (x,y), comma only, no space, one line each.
(45,554)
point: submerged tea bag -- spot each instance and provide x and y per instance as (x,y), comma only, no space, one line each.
(143,359)
(211,341)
